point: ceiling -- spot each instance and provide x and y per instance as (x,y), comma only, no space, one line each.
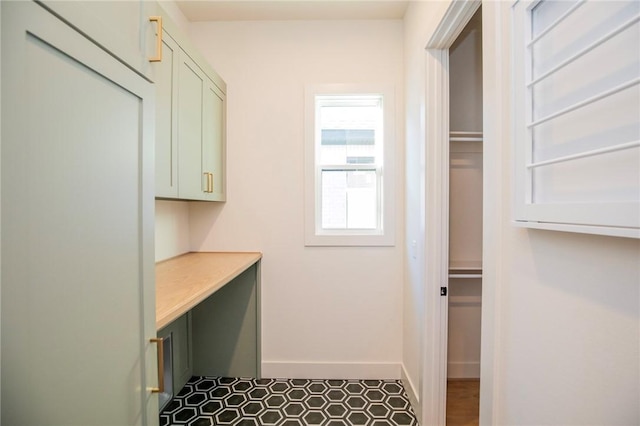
(261,10)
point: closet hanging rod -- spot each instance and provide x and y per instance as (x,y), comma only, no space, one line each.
(462,133)
(465,139)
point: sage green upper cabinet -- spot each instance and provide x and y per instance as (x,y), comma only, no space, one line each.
(200,135)
(190,130)
(77,214)
(134,42)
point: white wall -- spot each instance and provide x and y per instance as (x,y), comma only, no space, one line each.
(172,229)
(326,311)
(178,18)
(567,306)
(569,327)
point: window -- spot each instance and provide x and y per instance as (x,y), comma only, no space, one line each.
(577,116)
(348,169)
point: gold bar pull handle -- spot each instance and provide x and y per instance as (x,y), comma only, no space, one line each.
(160,388)
(158,57)
(209,177)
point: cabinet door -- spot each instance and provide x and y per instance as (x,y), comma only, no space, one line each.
(132,38)
(213,143)
(191,85)
(78,299)
(167,120)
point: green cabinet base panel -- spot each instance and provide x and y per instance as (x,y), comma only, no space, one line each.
(226,329)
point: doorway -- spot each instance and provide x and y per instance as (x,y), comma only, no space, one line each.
(437,190)
(464,280)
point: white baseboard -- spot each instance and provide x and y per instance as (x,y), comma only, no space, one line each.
(412,392)
(330,370)
(463,370)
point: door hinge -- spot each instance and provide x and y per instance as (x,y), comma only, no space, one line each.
(443,291)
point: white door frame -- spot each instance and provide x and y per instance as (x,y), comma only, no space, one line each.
(434,392)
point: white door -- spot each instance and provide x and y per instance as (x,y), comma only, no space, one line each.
(78,302)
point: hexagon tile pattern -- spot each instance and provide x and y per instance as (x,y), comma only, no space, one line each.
(208,401)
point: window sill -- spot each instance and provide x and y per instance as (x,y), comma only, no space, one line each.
(333,240)
(582,229)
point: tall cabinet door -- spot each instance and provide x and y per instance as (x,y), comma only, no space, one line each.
(78,302)
(167,119)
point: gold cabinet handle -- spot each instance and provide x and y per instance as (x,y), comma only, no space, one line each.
(209,177)
(160,388)
(158,57)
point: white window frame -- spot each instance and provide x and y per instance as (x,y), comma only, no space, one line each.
(384,235)
(604,218)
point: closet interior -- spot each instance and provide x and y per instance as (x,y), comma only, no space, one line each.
(465,225)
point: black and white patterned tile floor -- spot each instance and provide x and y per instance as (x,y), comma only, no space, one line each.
(208,401)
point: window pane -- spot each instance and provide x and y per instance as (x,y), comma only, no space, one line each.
(349,199)
(347,146)
(350,130)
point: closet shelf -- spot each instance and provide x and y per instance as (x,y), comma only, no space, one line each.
(465,265)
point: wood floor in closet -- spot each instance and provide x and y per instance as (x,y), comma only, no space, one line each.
(463,402)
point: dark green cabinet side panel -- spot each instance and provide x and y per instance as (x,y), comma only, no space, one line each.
(226,330)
